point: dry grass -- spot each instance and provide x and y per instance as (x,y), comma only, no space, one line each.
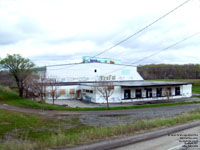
(90,135)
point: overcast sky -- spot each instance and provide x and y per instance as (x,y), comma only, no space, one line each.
(62,31)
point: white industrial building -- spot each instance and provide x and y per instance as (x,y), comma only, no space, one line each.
(81,81)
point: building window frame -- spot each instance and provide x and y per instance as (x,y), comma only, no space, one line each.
(138,93)
(177,91)
(159,92)
(149,92)
(127,93)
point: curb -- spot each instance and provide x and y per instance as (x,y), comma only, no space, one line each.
(115,143)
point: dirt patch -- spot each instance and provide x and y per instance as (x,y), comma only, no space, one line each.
(4,123)
(109,118)
(114,115)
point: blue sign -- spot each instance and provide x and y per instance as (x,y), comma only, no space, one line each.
(88,59)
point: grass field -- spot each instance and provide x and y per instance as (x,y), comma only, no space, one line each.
(27,132)
(10,97)
(19,131)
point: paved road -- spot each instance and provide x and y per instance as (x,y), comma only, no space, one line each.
(169,142)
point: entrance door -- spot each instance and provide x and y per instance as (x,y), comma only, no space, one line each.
(148,93)
(159,92)
(127,94)
(177,91)
(138,93)
(78,94)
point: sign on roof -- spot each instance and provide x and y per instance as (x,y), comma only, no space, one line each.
(88,59)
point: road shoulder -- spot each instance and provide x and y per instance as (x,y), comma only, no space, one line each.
(119,142)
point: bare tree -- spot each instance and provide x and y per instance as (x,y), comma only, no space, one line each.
(42,86)
(168,93)
(53,88)
(106,90)
(31,86)
(35,86)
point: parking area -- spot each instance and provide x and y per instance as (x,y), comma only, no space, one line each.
(79,103)
(73,103)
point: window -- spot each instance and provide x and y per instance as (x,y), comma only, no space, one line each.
(72,91)
(111,87)
(62,92)
(159,92)
(78,93)
(148,93)
(138,93)
(127,94)
(177,91)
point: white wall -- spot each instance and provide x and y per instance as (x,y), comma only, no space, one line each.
(67,94)
(118,94)
(86,72)
(114,98)
(187,90)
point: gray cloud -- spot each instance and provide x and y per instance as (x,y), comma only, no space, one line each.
(24,28)
(59,36)
(9,38)
(28,25)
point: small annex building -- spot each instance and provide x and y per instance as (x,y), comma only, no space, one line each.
(81,81)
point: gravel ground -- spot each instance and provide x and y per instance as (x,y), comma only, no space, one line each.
(124,116)
(110,118)
(78,103)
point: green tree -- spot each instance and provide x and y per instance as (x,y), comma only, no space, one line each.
(19,67)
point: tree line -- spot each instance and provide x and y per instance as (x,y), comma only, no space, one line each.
(169,71)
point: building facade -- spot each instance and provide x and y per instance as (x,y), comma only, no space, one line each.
(132,91)
(82,81)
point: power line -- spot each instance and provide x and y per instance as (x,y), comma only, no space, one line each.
(144,58)
(187,38)
(166,48)
(144,28)
(137,32)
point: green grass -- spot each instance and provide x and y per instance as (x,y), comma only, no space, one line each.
(21,123)
(29,128)
(29,132)
(196,96)
(11,97)
(196,89)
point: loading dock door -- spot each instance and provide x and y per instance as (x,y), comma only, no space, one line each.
(127,94)
(177,91)
(78,94)
(138,93)
(148,93)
